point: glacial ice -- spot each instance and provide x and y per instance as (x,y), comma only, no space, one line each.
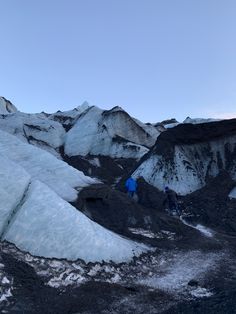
(48,226)
(36,129)
(6,106)
(97,133)
(12,187)
(186,173)
(43,166)
(35,217)
(232,194)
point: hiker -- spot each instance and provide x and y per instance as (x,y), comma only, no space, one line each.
(131,186)
(172,201)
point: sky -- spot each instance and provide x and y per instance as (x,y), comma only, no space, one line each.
(157,59)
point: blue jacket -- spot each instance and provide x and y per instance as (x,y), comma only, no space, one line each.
(131,185)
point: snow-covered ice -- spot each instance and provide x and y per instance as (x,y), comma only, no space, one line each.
(200,292)
(184,173)
(109,133)
(4,296)
(158,174)
(6,286)
(69,115)
(183,267)
(207,232)
(149,234)
(200,120)
(12,187)
(41,165)
(170,271)
(204,230)
(35,129)
(48,226)
(232,194)
(6,107)
(95,162)
(35,216)
(171,125)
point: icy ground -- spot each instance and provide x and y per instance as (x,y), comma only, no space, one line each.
(207,232)
(6,285)
(169,271)
(232,194)
(163,234)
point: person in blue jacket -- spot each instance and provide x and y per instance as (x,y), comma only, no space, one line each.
(131,186)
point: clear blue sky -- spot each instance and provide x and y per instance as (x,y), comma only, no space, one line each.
(155,58)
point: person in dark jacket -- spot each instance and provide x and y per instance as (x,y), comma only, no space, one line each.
(172,201)
(131,186)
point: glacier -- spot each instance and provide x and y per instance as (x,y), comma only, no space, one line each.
(48,226)
(35,215)
(6,106)
(12,186)
(109,133)
(41,165)
(35,129)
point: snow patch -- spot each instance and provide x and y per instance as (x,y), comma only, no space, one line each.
(171,125)
(5,280)
(66,279)
(200,120)
(204,230)
(6,286)
(201,293)
(232,194)
(4,296)
(181,269)
(149,234)
(95,162)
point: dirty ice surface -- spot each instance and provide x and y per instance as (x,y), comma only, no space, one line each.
(175,273)
(161,270)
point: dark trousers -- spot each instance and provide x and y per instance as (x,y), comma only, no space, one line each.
(131,193)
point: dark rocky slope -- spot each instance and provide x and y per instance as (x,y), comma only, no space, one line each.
(149,224)
(211,205)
